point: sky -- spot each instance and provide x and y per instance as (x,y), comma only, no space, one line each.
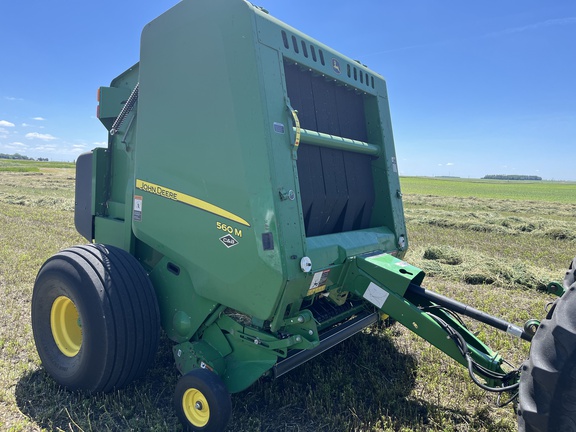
(475,88)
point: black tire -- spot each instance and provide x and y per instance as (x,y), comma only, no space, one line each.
(202,402)
(547,398)
(95,318)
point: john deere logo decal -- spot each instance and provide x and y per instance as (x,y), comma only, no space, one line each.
(336,65)
(229,241)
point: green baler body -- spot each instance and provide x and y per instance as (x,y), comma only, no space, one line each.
(254,178)
(213,124)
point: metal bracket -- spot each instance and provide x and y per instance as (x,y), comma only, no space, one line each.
(294,132)
(555,288)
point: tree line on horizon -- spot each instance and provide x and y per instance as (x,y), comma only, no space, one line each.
(18,156)
(511,177)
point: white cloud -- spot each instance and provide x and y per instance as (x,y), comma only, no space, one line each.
(16,146)
(535,26)
(48,147)
(449,164)
(44,137)
(100,144)
(39,118)
(78,148)
(6,123)
(10,98)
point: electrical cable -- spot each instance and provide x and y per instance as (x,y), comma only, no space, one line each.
(512,399)
(473,366)
(448,311)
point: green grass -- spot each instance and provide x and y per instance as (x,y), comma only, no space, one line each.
(488,251)
(545,191)
(20,169)
(31,166)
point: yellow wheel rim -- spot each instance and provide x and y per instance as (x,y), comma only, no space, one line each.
(196,407)
(66,326)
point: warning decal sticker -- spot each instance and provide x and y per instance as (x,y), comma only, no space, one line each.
(137,212)
(318,283)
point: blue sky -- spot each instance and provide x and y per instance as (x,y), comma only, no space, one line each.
(475,88)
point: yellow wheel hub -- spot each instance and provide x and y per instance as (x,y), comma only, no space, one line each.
(196,407)
(66,326)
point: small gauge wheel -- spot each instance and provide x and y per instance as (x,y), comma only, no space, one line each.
(202,401)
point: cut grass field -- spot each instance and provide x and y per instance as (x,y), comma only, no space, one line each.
(491,248)
(515,190)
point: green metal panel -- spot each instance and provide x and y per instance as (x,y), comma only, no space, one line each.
(183,311)
(336,248)
(200,133)
(386,179)
(110,231)
(111,100)
(390,271)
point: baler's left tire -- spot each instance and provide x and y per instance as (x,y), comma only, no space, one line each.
(95,318)
(547,395)
(202,401)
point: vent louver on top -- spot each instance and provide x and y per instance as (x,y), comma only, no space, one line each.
(301,47)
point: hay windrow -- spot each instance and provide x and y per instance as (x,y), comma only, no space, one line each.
(474,268)
(443,254)
(555,210)
(493,222)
